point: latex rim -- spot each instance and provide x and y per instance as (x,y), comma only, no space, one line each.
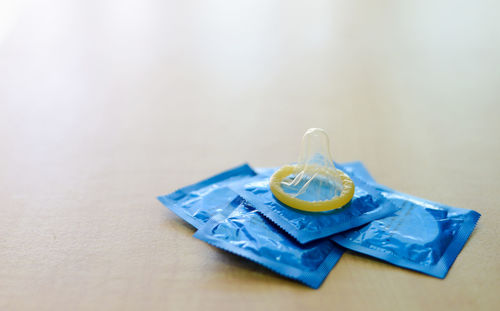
(316,206)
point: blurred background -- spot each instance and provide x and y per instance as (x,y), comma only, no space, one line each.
(106,104)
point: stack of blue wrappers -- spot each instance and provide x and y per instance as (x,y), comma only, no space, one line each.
(236,211)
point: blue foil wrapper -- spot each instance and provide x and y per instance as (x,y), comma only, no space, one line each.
(245,232)
(421,235)
(356,169)
(367,205)
(198,202)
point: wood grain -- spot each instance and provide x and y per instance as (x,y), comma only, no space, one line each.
(106,104)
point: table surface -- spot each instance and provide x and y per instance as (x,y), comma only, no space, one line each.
(106,104)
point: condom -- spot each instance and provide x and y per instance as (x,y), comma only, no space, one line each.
(313,184)
(198,202)
(420,235)
(245,232)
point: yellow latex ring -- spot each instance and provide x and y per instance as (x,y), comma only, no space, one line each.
(316,206)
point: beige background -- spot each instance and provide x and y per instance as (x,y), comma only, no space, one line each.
(106,104)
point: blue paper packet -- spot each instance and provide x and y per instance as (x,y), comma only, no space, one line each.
(198,202)
(245,232)
(366,205)
(421,235)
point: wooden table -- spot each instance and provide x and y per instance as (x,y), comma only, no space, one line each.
(106,104)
